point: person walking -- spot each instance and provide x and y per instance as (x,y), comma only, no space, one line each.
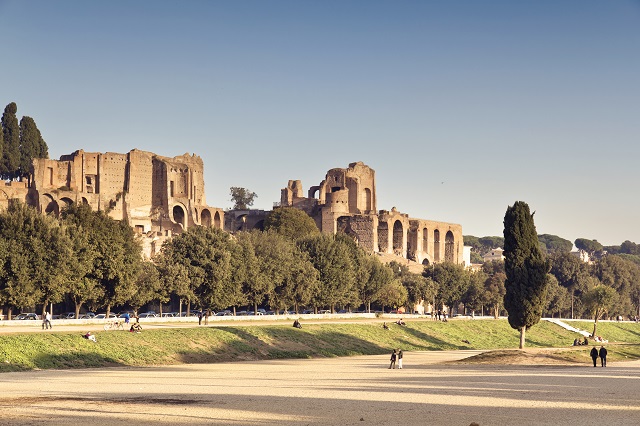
(46,321)
(393,360)
(603,356)
(400,359)
(594,355)
(200,318)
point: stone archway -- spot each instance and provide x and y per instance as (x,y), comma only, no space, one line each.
(449,245)
(436,245)
(179,215)
(217,221)
(50,205)
(205,218)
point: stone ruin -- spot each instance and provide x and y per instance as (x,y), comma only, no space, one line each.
(158,196)
(346,201)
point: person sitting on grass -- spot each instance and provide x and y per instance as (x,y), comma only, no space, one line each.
(297,324)
(135,328)
(89,336)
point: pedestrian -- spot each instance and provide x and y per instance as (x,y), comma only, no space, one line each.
(206,317)
(127,318)
(594,355)
(393,360)
(46,321)
(200,318)
(400,359)
(603,356)
(439,314)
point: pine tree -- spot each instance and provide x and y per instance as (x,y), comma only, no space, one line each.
(526,269)
(11,149)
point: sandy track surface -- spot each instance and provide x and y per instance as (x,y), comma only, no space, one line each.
(336,391)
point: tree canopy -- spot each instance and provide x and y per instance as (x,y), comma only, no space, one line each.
(242,198)
(291,223)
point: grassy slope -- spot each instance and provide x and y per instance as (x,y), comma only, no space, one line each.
(220,344)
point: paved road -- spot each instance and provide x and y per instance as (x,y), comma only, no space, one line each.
(335,391)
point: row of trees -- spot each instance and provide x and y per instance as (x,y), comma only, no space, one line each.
(87,258)
(553,245)
(21,142)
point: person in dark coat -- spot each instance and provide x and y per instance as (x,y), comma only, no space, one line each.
(594,355)
(393,360)
(603,356)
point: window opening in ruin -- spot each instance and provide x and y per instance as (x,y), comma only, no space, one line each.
(398,238)
(425,239)
(171,185)
(383,237)
(367,200)
(448,247)
(436,245)
(139,229)
(335,188)
(88,178)
(50,175)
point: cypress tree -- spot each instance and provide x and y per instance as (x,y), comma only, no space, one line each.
(31,145)
(11,135)
(526,269)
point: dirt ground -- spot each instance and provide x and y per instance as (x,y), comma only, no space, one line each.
(431,389)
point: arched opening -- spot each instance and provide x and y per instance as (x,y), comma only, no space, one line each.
(259,225)
(398,238)
(425,240)
(50,205)
(449,247)
(436,245)
(412,243)
(241,222)
(217,221)
(205,218)
(425,262)
(368,200)
(85,201)
(179,216)
(67,201)
(383,237)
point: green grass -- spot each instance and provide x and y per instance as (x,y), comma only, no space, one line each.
(62,350)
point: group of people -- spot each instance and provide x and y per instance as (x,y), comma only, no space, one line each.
(396,355)
(602,353)
(578,342)
(439,315)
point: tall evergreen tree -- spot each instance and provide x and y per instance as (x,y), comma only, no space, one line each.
(11,147)
(526,269)
(31,145)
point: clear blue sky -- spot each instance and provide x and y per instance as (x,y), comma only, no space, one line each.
(461,107)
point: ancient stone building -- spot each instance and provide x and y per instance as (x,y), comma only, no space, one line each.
(158,196)
(346,201)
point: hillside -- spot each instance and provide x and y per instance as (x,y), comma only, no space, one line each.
(230,343)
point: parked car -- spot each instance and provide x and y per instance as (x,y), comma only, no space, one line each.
(87,315)
(224,313)
(149,314)
(27,316)
(308,311)
(168,315)
(104,316)
(68,315)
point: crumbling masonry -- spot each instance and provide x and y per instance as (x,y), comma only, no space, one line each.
(346,201)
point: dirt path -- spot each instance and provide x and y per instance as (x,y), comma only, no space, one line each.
(336,391)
